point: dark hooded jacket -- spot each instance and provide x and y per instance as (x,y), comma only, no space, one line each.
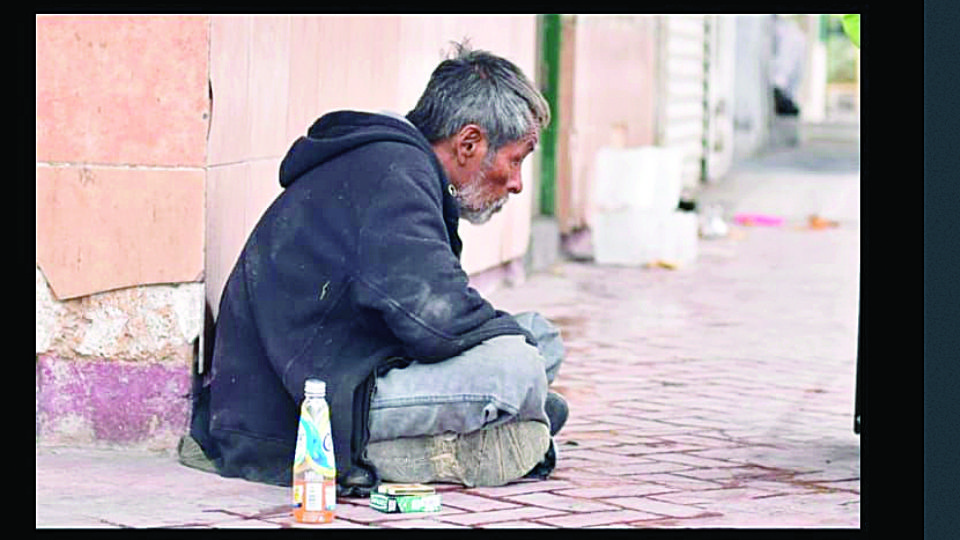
(354,268)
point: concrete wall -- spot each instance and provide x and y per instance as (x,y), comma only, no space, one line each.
(121,127)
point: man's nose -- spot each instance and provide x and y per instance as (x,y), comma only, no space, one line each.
(515,183)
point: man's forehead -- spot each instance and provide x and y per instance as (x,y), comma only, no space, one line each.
(528,142)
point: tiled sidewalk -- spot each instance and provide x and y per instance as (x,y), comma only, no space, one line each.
(715,395)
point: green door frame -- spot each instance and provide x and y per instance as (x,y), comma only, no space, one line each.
(549,29)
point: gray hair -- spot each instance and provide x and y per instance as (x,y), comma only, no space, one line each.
(476,87)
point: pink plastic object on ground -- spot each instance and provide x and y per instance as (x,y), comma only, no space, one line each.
(758,219)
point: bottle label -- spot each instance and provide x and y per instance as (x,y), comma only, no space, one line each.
(318,497)
(312,497)
(314,451)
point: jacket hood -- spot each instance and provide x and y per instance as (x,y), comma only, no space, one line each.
(339,132)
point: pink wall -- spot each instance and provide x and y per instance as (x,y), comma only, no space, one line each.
(159,138)
(122,117)
(121,145)
(607,98)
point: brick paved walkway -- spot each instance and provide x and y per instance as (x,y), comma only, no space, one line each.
(715,395)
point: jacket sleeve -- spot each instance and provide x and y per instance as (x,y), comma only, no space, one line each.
(407,271)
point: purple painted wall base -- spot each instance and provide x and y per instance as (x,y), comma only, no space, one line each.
(107,401)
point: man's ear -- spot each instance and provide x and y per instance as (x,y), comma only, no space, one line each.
(470,143)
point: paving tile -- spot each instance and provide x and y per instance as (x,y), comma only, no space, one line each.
(828,500)
(656,428)
(560,502)
(586,477)
(245,524)
(480,518)
(638,407)
(742,520)
(521,487)
(631,449)
(776,513)
(597,518)
(595,426)
(621,489)
(706,520)
(515,525)
(473,503)
(653,506)
(709,496)
(641,424)
(718,444)
(649,466)
(824,476)
(650,448)
(780,487)
(574,443)
(421,524)
(60,520)
(722,474)
(695,461)
(601,455)
(847,485)
(593,439)
(134,513)
(678,483)
(337,523)
(574,463)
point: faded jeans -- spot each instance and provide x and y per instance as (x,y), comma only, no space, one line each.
(500,380)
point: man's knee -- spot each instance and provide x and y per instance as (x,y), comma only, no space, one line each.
(517,364)
(549,340)
(498,381)
(520,381)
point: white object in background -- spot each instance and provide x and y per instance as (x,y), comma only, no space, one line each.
(643,177)
(680,238)
(636,221)
(712,224)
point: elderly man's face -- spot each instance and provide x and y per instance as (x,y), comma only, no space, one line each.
(484,190)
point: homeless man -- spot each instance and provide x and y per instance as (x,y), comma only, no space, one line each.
(352,276)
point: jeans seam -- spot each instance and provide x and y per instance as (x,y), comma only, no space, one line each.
(396,403)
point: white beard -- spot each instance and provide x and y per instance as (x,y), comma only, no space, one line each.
(481,216)
(474,213)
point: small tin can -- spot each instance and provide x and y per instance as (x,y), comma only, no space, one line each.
(405,498)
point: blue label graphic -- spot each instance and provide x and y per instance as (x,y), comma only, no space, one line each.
(316,447)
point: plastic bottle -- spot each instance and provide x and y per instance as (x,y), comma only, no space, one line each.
(314,467)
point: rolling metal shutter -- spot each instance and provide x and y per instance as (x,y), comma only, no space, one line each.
(720,38)
(682,92)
